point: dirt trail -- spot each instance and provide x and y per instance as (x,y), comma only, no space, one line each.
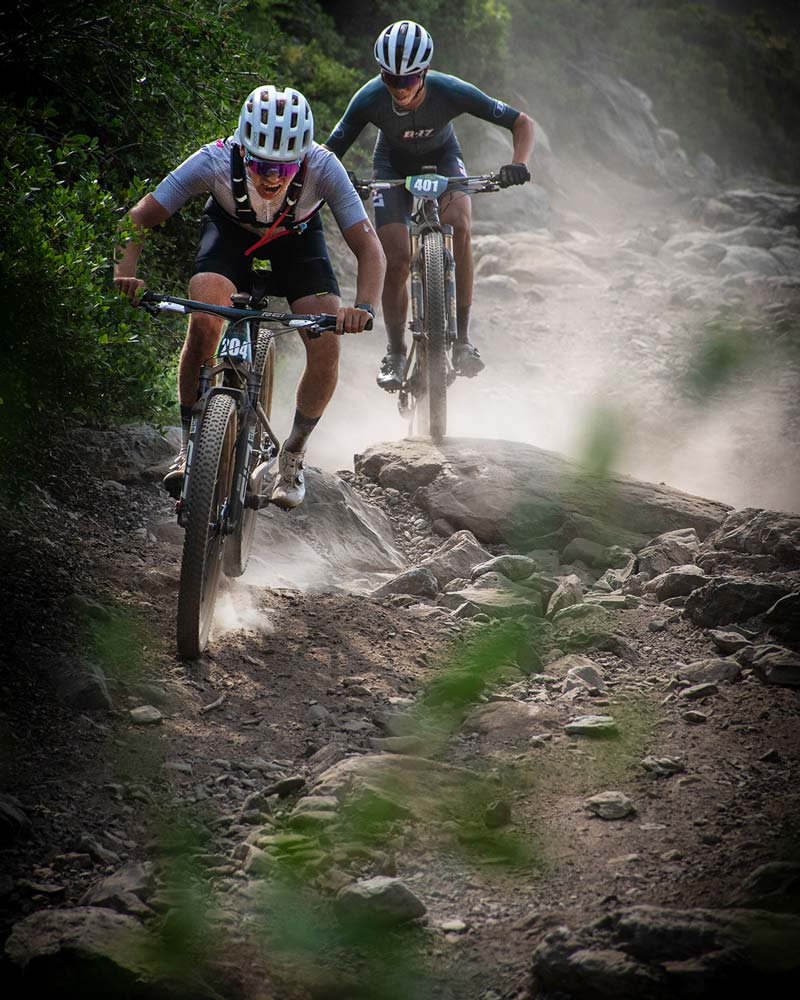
(323,678)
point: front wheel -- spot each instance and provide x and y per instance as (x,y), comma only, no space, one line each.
(210,490)
(435,328)
(238,545)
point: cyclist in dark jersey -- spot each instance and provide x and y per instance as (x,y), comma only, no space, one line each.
(413,108)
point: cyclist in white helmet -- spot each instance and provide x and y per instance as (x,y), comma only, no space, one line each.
(266,183)
(413,107)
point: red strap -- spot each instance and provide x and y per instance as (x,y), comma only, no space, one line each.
(270,233)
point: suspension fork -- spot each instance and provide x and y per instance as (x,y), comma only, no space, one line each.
(417,308)
(450,284)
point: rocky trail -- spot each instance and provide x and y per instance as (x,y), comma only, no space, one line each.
(481,722)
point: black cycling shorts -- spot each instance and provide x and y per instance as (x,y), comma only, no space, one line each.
(395,204)
(299,263)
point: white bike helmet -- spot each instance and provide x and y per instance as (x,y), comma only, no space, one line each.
(404,47)
(276,124)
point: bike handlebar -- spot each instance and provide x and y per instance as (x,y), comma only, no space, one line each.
(312,323)
(473,184)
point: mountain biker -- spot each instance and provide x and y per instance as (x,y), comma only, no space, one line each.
(413,107)
(266,183)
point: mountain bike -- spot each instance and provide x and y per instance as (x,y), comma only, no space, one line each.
(429,368)
(232,448)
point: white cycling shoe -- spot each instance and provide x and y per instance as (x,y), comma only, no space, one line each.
(290,488)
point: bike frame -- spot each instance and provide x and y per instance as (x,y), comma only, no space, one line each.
(240,380)
(426,188)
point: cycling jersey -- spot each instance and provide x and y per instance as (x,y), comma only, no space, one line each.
(208,171)
(415,134)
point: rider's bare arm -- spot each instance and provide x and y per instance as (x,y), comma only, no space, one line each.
(522,132)
(146,214)
(363,241)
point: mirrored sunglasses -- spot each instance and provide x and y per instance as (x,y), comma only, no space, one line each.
(265,167)
(410,80)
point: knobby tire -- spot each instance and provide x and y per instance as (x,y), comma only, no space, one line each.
(239,544)
(435,326)
(210,487)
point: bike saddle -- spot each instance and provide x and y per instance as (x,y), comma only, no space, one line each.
(262,285)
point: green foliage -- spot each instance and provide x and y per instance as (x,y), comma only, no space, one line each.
(107,98)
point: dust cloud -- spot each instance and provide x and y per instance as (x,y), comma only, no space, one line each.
(615,330)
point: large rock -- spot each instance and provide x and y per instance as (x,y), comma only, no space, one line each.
(379,900)
(654,953)
(774,664)
(514,492)
(759,532)
(333,540)
(783,618)
(670,549)
(774,886)
(729,599)
(455,558)
(90,951)
(130,453)
(418,580)
(399,784)
(677,582)
(623,133)
(497,602)
(509,719)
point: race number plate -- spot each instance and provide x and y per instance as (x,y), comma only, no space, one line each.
(234,344)
(427,185)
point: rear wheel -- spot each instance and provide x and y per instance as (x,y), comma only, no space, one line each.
(436,334)
(238,545)
(210,488)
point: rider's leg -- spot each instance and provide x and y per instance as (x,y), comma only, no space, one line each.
(314,392)
(321,374)
(397,247)
(201,341)
(457,212)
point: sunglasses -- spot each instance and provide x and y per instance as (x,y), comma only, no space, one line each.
(400,81)
(265,167)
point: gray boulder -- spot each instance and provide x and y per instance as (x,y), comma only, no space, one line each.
(130,453)
(655,953)
(568,592)
(333,540)
(759,532)
(670,549)
(783,618)
(710,671)
(92,945)
(774,664)
(774,886)
(600,556)
(728,599)
(455,557)
(514,492)
(380,900)
(511,566)
(418,580)
(677,582)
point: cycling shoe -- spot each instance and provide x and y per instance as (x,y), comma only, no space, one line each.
(173,481)
(392,372)
(467,359)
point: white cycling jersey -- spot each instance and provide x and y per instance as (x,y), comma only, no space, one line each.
(208,171)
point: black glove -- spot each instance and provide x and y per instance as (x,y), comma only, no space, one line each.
(514,173)
(361,189)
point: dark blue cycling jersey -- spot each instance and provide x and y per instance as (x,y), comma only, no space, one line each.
(415,134)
